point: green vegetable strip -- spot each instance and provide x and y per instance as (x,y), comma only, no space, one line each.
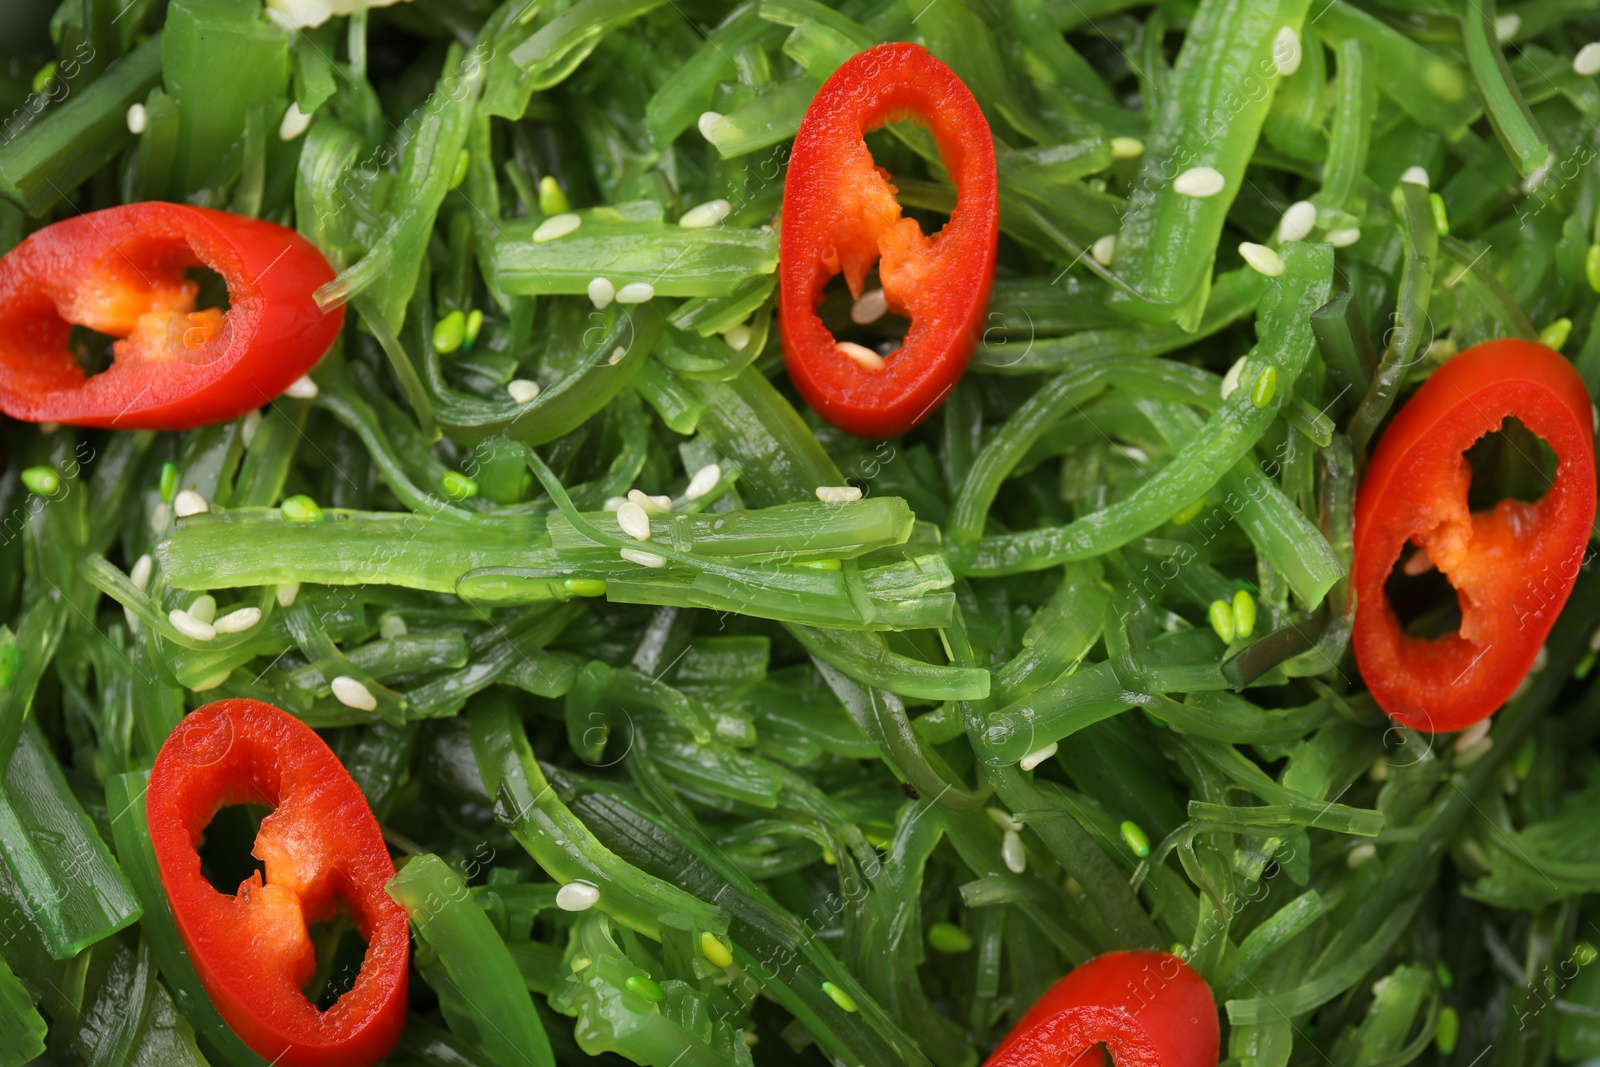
(672,260)
(1281,532)
(125,804)
(767,942)
(1355,105)
(687,92)
(463,958)
(1434,91)
(882,718)
(54,155)
(1210,116)
(1234,295)
(22,1028)
(558,841)
(426,167)
(867,659)
(1411,316)
(1226,437)
(23,657)
(1508,112)
(73,889)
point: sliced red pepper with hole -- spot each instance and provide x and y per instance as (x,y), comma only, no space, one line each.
(1512,566)
(323,853)
(121,272)
(840,215)
(1149,1009)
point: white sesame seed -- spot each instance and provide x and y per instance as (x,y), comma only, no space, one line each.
(391,627)
(1344,238)
(711,125)
(613,503)
(577,896)
(158,517)
(1298,221)
(1262,259)
(138,119)
(1126,148)
(1003,819)
(1104,249)
(1472,754)
(838,494)
(203,608)
(556,226)
(1415,176)
(190,626)
(237,621)
(870,306)
(295,122)
(352,694)
(1361,855)
(189,503)
(601,292)
(705,479)
(1230,380)
(1286,51)
(286,592)
(635,522)
(1506,26)
(302,388)
(1033,759)
(864,356)
(1594,640)
(140,575)
(1541,661)
(249,426)
(616,355)
(1199,182)
(737,336)
(1013,853)
(652,505)
(131,619)
(1538,174)
(210,683)
(707,214)
(1473,734)
(642,558)
(635,293)
(523,390)
(1587,61)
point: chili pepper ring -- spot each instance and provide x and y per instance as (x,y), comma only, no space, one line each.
(840,215)
(321,847)
(121,272)
(1512,567)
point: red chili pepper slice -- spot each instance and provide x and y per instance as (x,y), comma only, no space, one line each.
(1150,1009)
(121,272)
(840,214)
(322,850)
(1512,567)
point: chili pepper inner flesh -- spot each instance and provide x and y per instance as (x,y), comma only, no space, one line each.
(142,298)
(871,230)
